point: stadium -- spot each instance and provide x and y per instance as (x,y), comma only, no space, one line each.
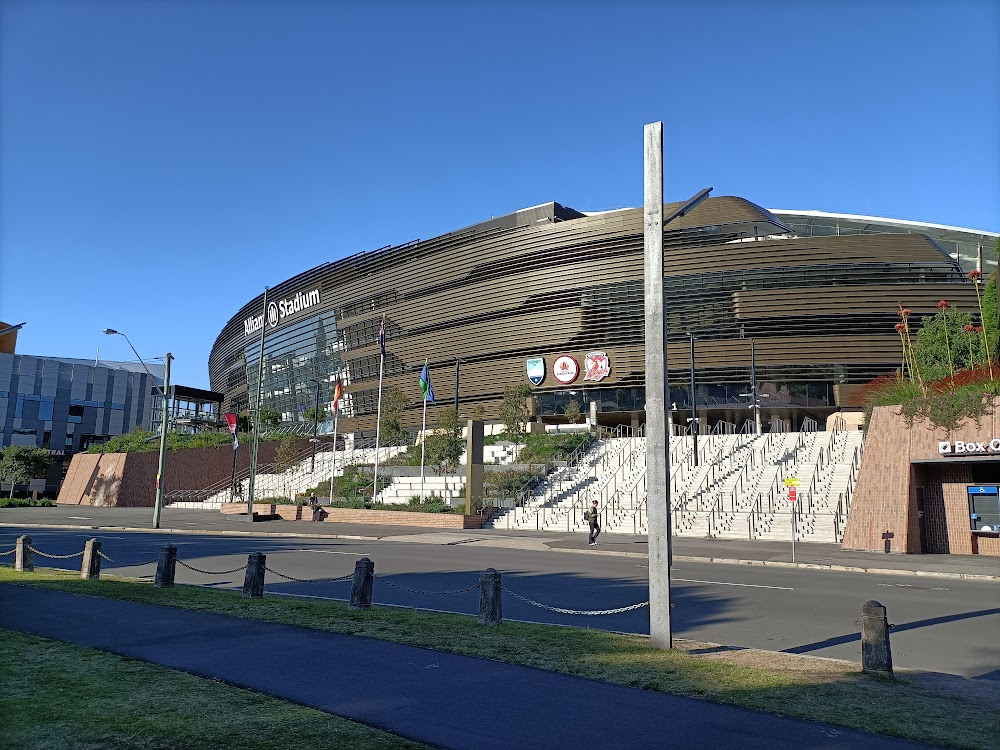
(557,294)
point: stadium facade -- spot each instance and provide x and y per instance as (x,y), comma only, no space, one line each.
(556,294)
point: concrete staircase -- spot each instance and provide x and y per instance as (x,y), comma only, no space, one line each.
(737,490)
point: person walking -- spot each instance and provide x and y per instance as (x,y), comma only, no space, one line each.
(595,526)
(317,514)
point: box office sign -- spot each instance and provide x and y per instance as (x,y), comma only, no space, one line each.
(969,447)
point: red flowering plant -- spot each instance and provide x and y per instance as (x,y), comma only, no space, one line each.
(943,306)
(976,278)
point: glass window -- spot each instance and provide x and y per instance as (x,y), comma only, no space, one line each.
(984,509)
(45,410)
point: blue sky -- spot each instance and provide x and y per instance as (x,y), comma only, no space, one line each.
(160,162)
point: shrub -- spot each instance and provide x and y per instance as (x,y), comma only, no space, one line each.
(21,502)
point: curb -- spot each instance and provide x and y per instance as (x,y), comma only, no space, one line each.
(610,553)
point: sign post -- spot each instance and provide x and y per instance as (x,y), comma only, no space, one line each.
(791,483)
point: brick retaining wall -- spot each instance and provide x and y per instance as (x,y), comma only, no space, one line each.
(890,485)
(129,479)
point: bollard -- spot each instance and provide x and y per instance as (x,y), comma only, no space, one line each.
(253,584)
(361,586)
(876,656)
(22,555)
(490,609)
(165,567)
(90,568)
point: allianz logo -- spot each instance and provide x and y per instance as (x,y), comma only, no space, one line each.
(960,447)
(278,311)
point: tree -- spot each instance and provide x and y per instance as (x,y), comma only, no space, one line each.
(573,413)
(269,418)
(22,463)
(287,454)
(391,430)
(944,331)
(514,409)
(445,447)
(311,413)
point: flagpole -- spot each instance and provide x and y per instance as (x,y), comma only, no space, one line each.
(378,408)
(333,471)
(423,445)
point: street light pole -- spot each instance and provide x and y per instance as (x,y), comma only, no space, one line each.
(657,447)
(753,388)
(312,466)
(255,440)
(162,465)
(694,405)
(164,419)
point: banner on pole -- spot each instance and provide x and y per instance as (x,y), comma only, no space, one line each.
(231,421)
(425,384)
(338,393)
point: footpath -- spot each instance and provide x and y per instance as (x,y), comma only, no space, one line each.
(723,551)
(444,700)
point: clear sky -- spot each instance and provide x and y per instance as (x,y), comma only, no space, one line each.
(161,162)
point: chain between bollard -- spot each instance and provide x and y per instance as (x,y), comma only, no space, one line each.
(211,572)
(128,565)
(56,557)
(8,552)
(426,593)
(309,580)
(564,611)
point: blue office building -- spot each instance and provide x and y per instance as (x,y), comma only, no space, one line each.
(65,405)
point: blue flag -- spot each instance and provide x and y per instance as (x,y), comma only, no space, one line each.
(425,384)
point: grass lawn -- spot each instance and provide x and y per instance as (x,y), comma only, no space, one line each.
(936,709)
(54,695)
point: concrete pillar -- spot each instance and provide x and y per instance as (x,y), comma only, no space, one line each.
(165,567)
(90,568)
(876,655)
(361,586)
(22,555)
(253,584)
(657,403)
(490,600)
(474,466)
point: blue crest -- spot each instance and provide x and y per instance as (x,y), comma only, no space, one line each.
(536,370)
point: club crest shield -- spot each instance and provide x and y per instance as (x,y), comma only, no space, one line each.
(596,366)
(536,370)
(565,369)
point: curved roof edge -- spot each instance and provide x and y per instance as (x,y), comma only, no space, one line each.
(861,218)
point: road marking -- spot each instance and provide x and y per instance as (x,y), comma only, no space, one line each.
(745,585)
(80,518)
(330,552)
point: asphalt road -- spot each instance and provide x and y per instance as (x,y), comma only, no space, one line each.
(942,625)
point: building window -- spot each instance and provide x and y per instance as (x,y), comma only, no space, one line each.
(45,409)
(984,508)
(75,414)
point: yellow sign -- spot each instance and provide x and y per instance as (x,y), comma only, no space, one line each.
(792,482)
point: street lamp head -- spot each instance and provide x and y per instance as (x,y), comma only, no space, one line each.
(110,332)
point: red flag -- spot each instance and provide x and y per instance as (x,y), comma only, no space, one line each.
(231,421)
(338,391)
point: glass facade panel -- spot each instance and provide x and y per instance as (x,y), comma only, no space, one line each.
(294,356)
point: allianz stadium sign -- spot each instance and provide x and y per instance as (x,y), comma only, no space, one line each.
(277,311)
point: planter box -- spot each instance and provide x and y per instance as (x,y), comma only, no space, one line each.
(362,515)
